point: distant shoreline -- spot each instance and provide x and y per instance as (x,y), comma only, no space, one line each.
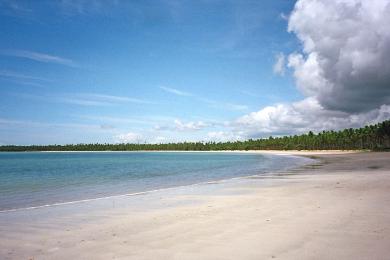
(374,137)
(276,152)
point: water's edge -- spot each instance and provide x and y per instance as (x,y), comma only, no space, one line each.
(303,161)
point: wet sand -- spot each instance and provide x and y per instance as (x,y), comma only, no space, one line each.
(335,208)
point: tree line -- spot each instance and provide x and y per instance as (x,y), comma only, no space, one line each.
(372,137)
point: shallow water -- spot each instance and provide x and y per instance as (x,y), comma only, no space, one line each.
(37,179)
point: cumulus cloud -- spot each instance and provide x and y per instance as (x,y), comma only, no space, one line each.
(342,70)
(303,116)
(346,49)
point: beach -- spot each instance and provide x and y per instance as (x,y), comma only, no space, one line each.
(337,207)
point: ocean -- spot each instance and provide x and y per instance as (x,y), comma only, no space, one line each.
(34,179)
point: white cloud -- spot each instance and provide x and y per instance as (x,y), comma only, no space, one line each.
(189,126)
(106,126)
(180,126)
(342,70)
(346,52)
(303,116)
(86,99)
(28,124)
(81,101)
(20,76)
(148,137)
(284,16)
(280,64)
(212,103)
(113,99)
(223,105)
(14,7)
(160,140)
(27,132)
(118,120)
(129,137)
(84,7)
(224,136)
(38,56)
(176,91)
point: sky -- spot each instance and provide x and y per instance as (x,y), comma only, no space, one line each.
(79,71)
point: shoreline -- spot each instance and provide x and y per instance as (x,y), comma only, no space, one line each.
(337,208)
(278,152)
(116,196)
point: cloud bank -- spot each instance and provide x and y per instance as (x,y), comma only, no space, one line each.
(342,69)
(303,116)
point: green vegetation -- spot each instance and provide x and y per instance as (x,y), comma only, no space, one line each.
(373,137)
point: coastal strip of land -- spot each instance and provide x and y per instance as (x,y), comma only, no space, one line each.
(335,208)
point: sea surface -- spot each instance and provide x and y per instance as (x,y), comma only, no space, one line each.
(34,179)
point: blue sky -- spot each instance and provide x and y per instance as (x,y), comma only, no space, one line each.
(77,71)
(89,71)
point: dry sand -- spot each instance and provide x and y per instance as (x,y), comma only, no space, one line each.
(337,208)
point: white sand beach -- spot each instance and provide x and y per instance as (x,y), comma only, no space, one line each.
(336,208)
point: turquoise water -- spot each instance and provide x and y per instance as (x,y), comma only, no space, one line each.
(35,179)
